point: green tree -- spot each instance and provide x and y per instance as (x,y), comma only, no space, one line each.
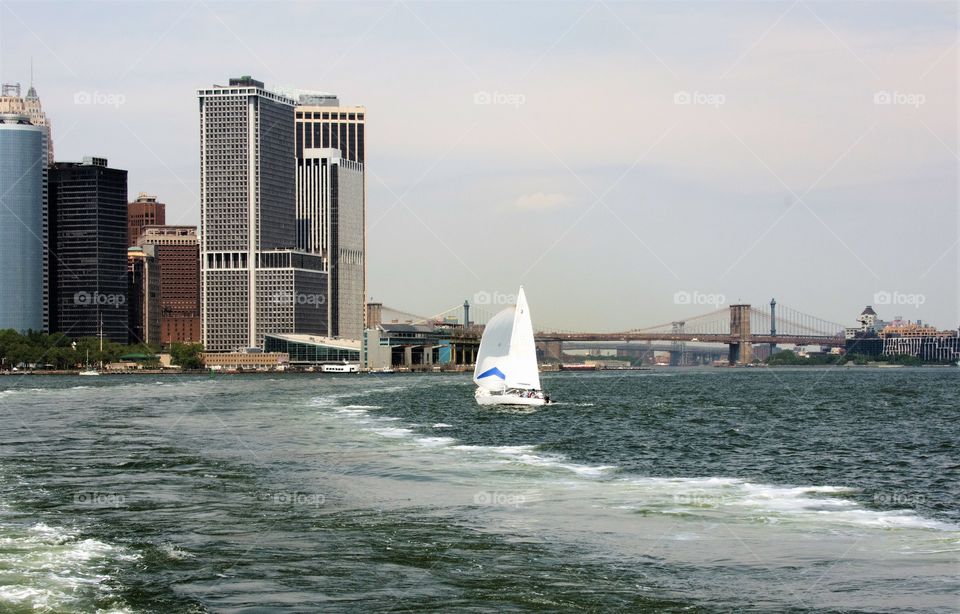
(187,355)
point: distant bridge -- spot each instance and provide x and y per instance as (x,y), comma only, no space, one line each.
(733,326)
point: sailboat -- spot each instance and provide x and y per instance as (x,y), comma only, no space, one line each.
(506,371)
(88,370)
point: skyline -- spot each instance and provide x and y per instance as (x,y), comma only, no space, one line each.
(568,146)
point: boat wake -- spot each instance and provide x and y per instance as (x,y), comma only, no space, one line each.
(708,498)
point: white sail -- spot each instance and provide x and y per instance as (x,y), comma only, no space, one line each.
(494,354)
(523,350)
(508,355)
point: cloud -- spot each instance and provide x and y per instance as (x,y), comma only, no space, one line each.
(542,200)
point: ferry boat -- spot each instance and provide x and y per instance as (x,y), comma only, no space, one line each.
(340,368)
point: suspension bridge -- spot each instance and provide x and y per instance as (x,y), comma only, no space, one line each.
(739,326)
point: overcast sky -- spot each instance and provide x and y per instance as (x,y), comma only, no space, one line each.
(606,155)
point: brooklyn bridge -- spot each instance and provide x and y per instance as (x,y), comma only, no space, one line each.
(740,327)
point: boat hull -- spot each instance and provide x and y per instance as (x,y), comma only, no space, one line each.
(484,398)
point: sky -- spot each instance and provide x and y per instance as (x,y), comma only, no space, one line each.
(629,163)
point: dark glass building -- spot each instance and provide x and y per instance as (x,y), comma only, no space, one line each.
(88,250)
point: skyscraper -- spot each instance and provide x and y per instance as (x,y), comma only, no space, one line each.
(253,279)
(145,211)
(177,254)
(22,229)
(143,282)
(331,203)
(11,102)
(88,249)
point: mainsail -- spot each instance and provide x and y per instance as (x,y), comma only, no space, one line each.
(508,355)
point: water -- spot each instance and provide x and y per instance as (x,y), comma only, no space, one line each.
(701,490)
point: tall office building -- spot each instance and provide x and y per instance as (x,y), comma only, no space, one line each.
(88,249)
(177,253)
(143,282)
(331,203)
(23,174)
(29,105)
(254,281)
(145,211)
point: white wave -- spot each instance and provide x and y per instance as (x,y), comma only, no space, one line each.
(442,425)
(50,569)
(393,432)
(21,390)
(174,553)
(817,505)
(362,407)
(435,441)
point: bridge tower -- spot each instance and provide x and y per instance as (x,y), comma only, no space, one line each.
(741,348)
(677,347)
(550,351)
(773,325)
(466,314)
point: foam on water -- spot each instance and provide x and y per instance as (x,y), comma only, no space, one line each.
(173,553)
(731,497)
(52,569)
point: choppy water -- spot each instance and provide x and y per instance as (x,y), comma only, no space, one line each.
(649,491)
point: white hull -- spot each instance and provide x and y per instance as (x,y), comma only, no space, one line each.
(485,398)
(89,373)
(339,369)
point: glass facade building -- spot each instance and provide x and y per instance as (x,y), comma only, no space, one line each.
(306,350)
(88,285)
(22,223)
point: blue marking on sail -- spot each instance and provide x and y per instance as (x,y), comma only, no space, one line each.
(494,371)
